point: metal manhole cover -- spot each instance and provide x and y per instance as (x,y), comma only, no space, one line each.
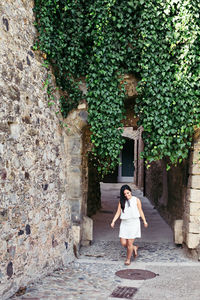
(124,292)
(135,274)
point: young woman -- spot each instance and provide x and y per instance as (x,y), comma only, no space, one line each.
(130,210)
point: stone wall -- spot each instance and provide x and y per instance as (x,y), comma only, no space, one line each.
(191,217)
(167,190)
(35,216)
(176,194)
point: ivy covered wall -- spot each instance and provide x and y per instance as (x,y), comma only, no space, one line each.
(102,40)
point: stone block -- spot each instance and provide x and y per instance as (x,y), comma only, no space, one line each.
(83,115)
(74,186)
(194,155)
(193,195)
(194,209)
(193,219)
(194,227)
(197,136)
(194,168)
(76,231)
(178,231)
(82,106)
(74,145)
(194,162)
(87,233)
(192,240)
(194,181)
(75,209)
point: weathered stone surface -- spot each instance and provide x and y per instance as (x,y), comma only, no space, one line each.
(194,227)
(75,146)
(76,210)
(87,235)
(194,209)
(34,201)
(82,106)
(75,185)
(192,240)
(76,234)
(194,167)
(193,195)
(193,219)
(194,181)
(178,231)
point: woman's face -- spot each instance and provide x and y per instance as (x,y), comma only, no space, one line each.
(127,194)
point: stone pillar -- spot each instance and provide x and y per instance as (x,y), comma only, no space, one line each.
(191,222)
(77,172)
(74,145)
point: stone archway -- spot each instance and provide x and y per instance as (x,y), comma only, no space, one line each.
(186,230)
(77,174)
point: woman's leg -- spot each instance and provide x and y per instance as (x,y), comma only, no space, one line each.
(135,249)
(130,249)
(123,242)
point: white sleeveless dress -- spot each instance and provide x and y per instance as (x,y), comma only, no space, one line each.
(130,221)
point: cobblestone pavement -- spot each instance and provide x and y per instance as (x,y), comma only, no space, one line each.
(92,275)
(148,252)
(79,281)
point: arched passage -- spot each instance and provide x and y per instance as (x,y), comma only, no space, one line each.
(186,227)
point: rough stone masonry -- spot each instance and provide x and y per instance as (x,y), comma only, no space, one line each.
(35,222)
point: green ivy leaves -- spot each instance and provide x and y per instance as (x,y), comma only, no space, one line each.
(168,105)
(102,40)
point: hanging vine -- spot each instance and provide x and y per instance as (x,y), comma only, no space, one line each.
(101,40)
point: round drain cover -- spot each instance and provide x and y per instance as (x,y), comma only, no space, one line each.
(135,274)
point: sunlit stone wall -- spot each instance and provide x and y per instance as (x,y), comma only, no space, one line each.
(191,220)
(35,216)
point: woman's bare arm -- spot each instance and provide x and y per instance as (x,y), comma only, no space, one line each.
(116,216)
(139,205)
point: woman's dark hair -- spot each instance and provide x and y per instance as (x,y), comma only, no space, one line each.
(123,199)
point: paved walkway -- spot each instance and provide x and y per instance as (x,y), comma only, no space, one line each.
(92,276)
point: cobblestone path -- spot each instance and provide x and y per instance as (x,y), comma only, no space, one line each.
(92,276)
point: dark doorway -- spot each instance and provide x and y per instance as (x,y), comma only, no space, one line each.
(127,158)
(126,169)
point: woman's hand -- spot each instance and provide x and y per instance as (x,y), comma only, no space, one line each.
(112,224)
(145,224)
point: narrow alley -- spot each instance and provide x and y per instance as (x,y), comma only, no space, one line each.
(92,275)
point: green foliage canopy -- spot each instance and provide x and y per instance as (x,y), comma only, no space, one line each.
(101,40)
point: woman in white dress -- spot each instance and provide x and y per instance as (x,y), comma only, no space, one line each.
(130,210)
